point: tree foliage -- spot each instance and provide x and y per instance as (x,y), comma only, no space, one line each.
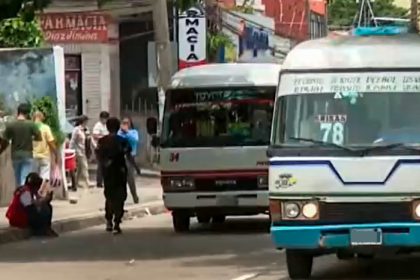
(343,12)
(183,5)
(216,40)
(18,33)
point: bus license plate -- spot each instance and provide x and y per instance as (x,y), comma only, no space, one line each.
(227,200)
(365,237)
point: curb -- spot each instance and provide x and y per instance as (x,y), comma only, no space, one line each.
(81,222)
(150,175)
(146,174)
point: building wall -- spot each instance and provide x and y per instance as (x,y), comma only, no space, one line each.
(292,17)
(96,76)
(100,83)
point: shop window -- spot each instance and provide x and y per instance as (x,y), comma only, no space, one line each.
(73,80)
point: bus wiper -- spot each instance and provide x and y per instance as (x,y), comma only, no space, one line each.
(389,147)
(327,144)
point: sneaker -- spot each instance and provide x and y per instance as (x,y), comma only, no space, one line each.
(117,229)
(109,226)
(136,200)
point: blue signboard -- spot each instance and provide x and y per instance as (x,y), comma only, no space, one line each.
(253,38)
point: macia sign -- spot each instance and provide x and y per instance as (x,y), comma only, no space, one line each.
(350,82)
(191,38)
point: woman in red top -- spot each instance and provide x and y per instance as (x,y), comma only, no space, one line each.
(30,211)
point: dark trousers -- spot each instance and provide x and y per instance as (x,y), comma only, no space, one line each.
(115,193)
(40,218)
(99,177)
(131,180)
(114,210)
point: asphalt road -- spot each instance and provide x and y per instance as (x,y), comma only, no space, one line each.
(149,249)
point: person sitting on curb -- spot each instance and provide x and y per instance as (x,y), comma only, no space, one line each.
(28,210)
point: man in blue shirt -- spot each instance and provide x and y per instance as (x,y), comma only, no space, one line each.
(128,131)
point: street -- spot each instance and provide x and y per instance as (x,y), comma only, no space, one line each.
(149,248)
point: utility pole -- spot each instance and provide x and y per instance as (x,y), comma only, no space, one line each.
(163,52)
(414,16)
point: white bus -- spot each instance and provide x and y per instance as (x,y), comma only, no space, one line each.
(344,151)
(215,133)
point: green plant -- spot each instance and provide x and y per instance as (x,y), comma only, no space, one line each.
(341,13)
(215,41)
(48,107)
(18,33)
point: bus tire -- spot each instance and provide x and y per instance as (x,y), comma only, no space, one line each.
(203,219)
(344,256)
(365,257)
(180,221)
(299,264)
(219,219)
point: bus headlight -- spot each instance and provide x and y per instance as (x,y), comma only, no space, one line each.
(300,210)
(262,181)
(310,210)
(182,183)
(416,209)
(176,183)
(291,210)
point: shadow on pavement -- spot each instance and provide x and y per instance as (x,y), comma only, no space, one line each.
(240,243)
(403,267)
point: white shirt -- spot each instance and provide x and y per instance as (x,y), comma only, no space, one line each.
(78,139)
(99,129)
(26,198)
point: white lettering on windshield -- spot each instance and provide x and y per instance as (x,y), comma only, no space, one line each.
(310,85)
(351,82)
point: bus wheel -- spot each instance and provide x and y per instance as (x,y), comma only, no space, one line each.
(181,221)
(219,219)
(299,264)
(344,256)
(203,219)
(367,257)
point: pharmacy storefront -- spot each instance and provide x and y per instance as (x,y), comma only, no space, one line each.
(85,39)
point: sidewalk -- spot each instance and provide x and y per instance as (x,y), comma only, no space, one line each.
(89,209)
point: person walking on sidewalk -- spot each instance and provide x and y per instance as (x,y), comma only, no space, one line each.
(112,151)
(21,133)
(43,150)
(78,143)
(99,131)
(129,132)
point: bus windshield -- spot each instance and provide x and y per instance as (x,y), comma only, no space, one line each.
(349,109)
(218,117)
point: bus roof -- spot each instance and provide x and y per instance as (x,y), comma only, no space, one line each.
(379,51)
(227,74)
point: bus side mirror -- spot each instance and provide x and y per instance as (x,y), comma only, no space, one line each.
(155,142)
(151,125)
(269,153)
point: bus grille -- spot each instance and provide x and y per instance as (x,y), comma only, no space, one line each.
(241,184)
(366,212)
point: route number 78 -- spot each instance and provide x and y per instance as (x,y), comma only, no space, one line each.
(333,132)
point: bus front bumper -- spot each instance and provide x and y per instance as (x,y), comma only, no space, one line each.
(338,236)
